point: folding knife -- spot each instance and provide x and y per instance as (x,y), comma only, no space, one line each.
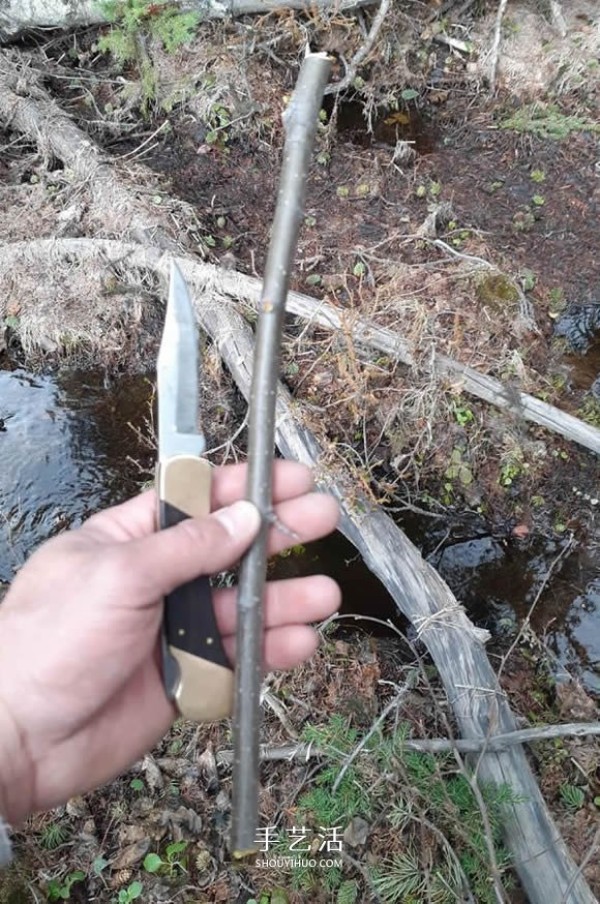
(196,672)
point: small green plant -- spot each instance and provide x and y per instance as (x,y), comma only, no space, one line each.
(572,796)
(136,784)
(463,415)
(131,893)
(53,835)
(537,176)
(590,411)
(134,20)
(172,864)
(459,469)
(547,122)
(60,889)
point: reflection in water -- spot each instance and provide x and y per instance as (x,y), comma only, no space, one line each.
(63,454)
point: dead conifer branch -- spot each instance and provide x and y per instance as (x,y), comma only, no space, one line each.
(440,745)
(300,122)
(496,43)
(246,289)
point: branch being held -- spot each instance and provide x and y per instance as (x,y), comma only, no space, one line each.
(300,122)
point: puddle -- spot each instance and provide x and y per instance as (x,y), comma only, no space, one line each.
(498,579)
(65,447)
(407,124)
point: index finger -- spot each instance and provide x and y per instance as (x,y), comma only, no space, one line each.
(137,516)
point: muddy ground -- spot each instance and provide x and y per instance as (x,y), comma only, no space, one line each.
(465,219)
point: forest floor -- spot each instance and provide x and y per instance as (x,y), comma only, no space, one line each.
(466,220)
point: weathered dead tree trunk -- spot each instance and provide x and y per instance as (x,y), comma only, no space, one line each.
(540,855)
(18,16)
(541,858)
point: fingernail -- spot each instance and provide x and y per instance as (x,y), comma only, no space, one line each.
(241,518)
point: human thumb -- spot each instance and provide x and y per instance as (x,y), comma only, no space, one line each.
(157,564)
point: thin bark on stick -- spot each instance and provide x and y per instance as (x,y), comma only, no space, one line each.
(300,122)
(541,858)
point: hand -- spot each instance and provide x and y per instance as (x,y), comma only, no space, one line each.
(81,692)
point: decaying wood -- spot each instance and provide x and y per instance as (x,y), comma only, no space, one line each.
(27,108)
(241,287)
(18,16)
(541,858)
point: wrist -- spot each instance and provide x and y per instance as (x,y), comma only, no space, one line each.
(16,774)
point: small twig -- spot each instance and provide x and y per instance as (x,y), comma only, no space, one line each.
(566,898)
(362,52)
(496,44)
(564,552)
(437,745)
(137,150)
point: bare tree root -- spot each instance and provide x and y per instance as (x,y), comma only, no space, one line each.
(17,17)
(239,287)
(540,856)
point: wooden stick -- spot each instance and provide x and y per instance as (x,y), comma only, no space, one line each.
(300,122)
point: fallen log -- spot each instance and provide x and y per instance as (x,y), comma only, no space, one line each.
(540,855)
(239,286)
(541,858)
(18,16)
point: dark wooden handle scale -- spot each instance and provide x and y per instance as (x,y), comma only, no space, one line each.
(195,668)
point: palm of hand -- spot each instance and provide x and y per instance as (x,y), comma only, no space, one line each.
(81,676)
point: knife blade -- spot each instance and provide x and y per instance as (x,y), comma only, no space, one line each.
(196,672)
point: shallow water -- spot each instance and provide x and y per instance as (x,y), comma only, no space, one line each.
(65,449)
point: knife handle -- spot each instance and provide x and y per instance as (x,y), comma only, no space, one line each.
(196,671)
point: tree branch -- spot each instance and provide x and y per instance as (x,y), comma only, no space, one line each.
(300,122)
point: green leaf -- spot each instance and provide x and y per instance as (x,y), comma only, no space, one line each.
(98,865)
(279,896)
(152,863)
(359,269)
(409,94)
(135,890)
(11,322)
(136,784)
(176,847)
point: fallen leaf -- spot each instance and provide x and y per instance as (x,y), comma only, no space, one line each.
(131,855)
